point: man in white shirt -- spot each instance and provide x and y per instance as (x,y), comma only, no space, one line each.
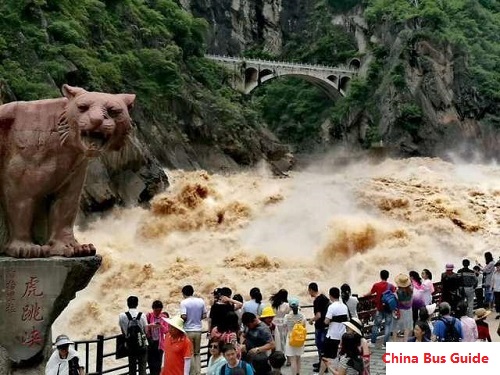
(193,311)
(336,314)
(135,359)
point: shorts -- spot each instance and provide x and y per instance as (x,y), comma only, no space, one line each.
(331,348)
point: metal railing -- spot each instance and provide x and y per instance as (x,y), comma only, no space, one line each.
(95,349)
(283,64)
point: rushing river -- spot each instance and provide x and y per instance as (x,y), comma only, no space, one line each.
(330,224)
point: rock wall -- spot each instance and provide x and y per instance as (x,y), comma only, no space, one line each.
(240,25)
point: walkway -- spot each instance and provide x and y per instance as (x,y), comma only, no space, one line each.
(377,367)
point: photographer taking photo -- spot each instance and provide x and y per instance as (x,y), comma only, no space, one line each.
(223,303)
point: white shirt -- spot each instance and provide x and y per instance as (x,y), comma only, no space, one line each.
(123,320)
(336,330)
(495,281)
(58,366)
(195,310)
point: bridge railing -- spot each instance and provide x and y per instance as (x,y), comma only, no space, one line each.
(101,352)
(283,64)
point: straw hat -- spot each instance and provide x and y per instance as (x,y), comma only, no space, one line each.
(62,340)
(356,325)
(267,312)
(402,280)
(176,322)
(481,313)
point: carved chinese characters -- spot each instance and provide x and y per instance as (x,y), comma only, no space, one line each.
(33,292)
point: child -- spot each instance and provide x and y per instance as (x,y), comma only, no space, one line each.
(356,326)
(483,329)
(276,360)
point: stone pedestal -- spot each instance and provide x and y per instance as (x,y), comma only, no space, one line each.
(33,293)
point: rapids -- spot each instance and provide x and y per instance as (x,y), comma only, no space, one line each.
(330,224)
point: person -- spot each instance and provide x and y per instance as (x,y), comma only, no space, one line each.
(193,311)
(350,362)
(336,314)
(425,315)
(216,360)
(469,327)
(64,360)
(233,363)
(419,294)
(487,271)
(292,318)
(279,303)
(254,306)
(479,292)
(405,302)
(427,285)
(258,338)
(356,326)
(223,303)
(320,307)
(349,300)
(228,331)
(155,332)
(277,360)
(239,298)
(483,329)
(178,348)
(468,283)
(450,287)
(421,332)
(441,326)
(382,315)
(267,318)
(495,287)
(136,357)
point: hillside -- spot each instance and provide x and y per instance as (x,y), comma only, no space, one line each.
(429,81)
(428,84)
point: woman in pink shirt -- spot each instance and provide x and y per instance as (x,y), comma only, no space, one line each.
(155,331)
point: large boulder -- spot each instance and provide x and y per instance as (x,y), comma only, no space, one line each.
(33,294)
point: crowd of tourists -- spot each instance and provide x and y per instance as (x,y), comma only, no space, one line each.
(260,337)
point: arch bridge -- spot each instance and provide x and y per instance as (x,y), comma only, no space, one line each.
(251,73)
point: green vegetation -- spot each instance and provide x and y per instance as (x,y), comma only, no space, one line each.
(152,48)
(293,108)
(470,26)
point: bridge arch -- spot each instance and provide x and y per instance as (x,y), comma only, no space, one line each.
(329,84)
(250,73)
(355,64)
(345,81)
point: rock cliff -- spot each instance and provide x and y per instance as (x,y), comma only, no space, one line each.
(421,95)
(237,26)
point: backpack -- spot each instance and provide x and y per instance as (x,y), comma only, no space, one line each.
(241,365)
(135,337)
(450,331)
(298,335)
(74,366)
(389,299)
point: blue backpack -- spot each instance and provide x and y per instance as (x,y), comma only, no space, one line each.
(389,299)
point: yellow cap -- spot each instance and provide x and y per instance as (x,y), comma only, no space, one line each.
(267,312)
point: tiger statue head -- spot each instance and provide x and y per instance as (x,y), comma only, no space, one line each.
(95,122)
